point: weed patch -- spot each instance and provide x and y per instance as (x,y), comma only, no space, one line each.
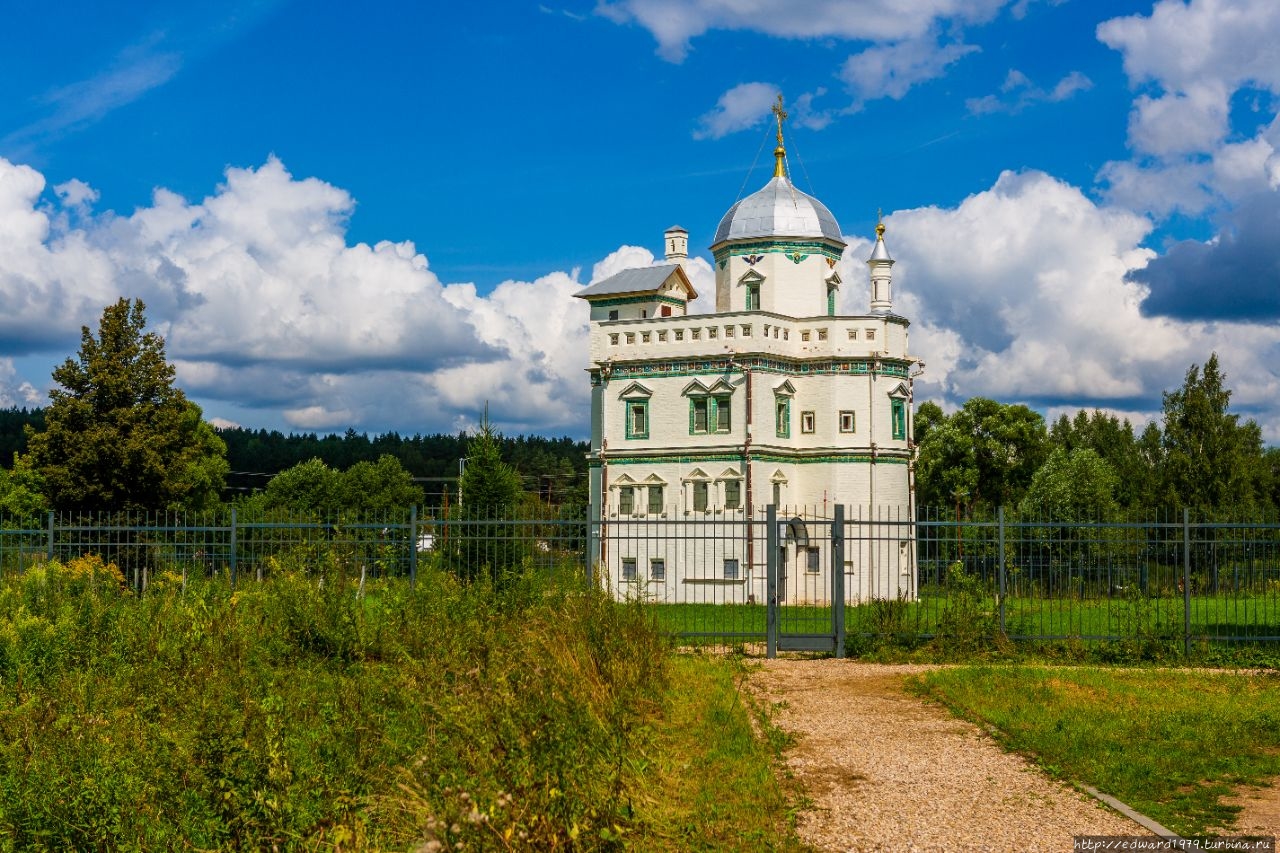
(308,712)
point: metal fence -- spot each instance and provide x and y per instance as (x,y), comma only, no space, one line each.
(773,579)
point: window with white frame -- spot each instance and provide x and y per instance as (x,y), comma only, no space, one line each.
(848,421)
(813,560)
(657,569)
(655,500)
(732,494)
(730,569)
(626,500)
(807,421)
(701,491)
(629,569)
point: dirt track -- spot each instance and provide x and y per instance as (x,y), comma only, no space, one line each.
(888,771)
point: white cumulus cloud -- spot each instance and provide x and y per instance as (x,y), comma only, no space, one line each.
(1187,61)
(891,70)
(744,106)
(1041,309)
(675,23)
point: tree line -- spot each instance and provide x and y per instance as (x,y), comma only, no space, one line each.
(1199,456)
(118,435)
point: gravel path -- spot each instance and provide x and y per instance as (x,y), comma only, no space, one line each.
(887,771)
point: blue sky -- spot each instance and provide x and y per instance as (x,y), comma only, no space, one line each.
(375,215)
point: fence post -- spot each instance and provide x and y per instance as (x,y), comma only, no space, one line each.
(1186,581)
(234,548)
(771,581)
(1004,574)
(837,578)
(413,546)
(50,554)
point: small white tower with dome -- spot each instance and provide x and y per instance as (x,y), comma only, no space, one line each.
(773,398)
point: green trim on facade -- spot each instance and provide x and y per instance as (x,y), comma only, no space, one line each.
(771,364)
(696,458)
(633,403)
(632,300)
(788,248)
(712,406)
(898,414)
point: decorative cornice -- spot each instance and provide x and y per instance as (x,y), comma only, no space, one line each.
(794,250)
(694,457)
(631,300)
(760,364)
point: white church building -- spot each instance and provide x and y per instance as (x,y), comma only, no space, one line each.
(700,421)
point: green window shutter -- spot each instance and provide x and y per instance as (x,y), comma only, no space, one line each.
(831,302)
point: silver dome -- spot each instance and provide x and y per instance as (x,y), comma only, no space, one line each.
(778,210)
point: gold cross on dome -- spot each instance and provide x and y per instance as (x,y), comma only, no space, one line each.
(781,114)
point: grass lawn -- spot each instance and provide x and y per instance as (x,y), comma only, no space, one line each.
(1212,617)
(1169,743)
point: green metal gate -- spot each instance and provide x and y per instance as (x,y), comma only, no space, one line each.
(804,565)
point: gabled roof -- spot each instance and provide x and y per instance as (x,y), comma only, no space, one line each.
(641,281)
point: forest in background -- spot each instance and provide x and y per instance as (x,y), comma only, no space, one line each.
(982,456)
(554,469)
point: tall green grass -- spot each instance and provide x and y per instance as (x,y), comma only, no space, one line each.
(296,713)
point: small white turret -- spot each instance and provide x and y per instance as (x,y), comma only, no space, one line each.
(676,241)
(881,274)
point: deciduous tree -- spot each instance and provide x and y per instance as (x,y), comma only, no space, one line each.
(982,455)
(1210,461)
